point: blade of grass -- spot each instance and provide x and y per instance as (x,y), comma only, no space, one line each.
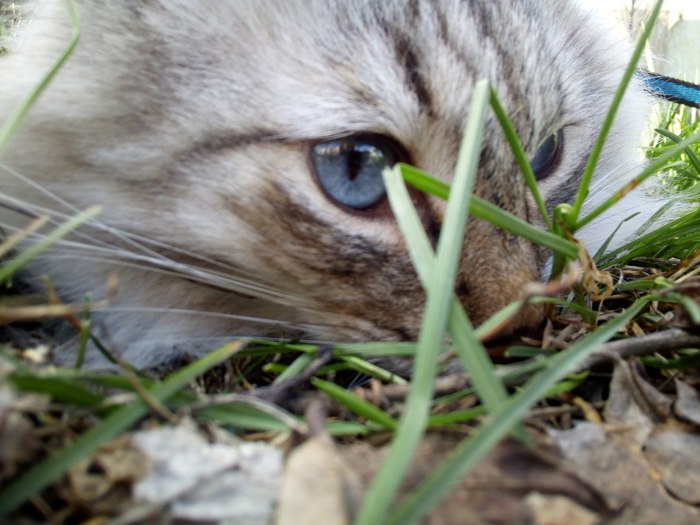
(406,349)
(572,219)
(83,339)
(355,404)
(8,128)
(691,307)
(520,156)
(242,417)
(9,268)
(439,294)
(483,209)
(61,390)
(652,168)
(678,238)
(472,354)
(497,320)
(49,470)
(296,368)
(502,419)
(692,157)
(604,247)
(240,411)
(456,416)
(373,370)
(470,351)
(13,240)
(346,428)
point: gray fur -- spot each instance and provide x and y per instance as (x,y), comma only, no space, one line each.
(191,122)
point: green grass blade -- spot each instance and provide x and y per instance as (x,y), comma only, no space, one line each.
(61,390)
(294,369)
(9,268)
(355,404)
(242,417)
(372,370)
(457,416)
(487,211)
(691,307)
(497,319)
(470,351)
(419,247)
(607,123)
(49,470)
(83,340)
(604,247)
(651,169)
(501,420)
(692,157)
(520,156)
(346,428)
(376,349)
(8,128)
(439,295)
(483,209)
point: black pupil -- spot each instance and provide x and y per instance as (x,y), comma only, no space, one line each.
(356,160)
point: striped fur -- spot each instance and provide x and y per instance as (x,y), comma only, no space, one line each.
(191,125)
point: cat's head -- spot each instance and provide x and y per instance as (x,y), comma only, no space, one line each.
(253,135)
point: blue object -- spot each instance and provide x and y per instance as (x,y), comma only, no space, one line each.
(671,88)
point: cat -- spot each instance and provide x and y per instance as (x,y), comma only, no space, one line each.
(236,148)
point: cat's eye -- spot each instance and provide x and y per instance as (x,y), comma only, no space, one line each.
(547,156)
(349,169)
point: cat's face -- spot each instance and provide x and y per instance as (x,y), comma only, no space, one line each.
(252,135)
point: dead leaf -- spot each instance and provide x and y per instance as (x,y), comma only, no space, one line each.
(688,403)
(496,491)
(18,441)
(648,464)
(598,283)
(634,403)
(556,510)
(204,482)
(103,482)
(676,455)
(615,465)
(318,488)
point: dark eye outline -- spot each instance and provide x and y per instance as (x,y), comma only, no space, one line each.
(389,149)
(548,156)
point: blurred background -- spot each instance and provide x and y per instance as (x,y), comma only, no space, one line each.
(675,46)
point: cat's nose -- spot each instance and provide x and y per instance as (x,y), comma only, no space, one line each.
(481,301)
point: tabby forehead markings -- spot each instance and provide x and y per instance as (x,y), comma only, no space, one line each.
(414,75)
(213,144)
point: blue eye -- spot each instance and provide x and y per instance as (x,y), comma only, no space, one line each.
(350,169)
(547,156)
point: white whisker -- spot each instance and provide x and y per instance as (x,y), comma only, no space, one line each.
(203,313)
(132,239)
(167,267)
(229,279)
